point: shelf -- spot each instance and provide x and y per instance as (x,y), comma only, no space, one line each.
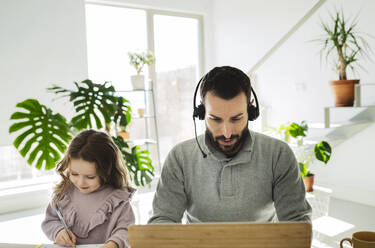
(140,142)
(130,91)
(142,117)
(351,107)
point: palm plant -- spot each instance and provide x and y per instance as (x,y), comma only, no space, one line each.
(342,39)
(47,134)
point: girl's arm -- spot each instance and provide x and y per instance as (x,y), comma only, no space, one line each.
(51,224)
(110,244)
(125,217)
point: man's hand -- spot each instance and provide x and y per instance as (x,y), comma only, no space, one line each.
(62,238)
(110,244)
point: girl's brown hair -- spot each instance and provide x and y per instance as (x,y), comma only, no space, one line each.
(98,147)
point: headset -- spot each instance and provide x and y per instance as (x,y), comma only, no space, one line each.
(200,111)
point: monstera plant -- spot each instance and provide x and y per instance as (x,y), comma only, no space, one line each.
(44,135)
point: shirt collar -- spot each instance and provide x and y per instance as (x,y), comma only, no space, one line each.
(209,149)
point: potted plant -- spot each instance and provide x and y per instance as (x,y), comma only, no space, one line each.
(306,153)
(138,61)
(343,42)
(43,135)
(122,118)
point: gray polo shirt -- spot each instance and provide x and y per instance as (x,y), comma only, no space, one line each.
(261,183)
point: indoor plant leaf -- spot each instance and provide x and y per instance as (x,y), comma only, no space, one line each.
(323,151)
(90,100)
(138,162)
(45,135)
(296,130)
(122,115)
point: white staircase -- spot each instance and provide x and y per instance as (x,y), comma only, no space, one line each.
(337,132)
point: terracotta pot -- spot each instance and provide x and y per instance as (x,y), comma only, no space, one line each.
(141,111)
(124,135)
(309,182)
(343,91)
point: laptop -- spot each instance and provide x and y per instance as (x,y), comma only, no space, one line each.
(220,235)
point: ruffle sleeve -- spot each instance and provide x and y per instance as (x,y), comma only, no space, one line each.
(101,215)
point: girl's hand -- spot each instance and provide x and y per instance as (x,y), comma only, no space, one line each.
(110,244)
(62,238)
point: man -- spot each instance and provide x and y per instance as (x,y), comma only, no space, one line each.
(242,175)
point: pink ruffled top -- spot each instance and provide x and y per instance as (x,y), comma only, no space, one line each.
(94,218)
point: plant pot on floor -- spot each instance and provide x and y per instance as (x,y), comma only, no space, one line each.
(138,82)
(343,91)
(309,182)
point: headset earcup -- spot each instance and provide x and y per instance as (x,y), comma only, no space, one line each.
(201,111)
(253,112)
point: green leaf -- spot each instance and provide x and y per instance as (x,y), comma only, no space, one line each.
(303,169)
(323,151)
(91,100)
(296,130)
(138,162)
(122,115)
(43,132)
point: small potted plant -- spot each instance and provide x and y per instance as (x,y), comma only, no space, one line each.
(342,41)
(306,153)
(122,117)
(138,61)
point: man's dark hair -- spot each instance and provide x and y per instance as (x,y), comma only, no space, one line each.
(225,82)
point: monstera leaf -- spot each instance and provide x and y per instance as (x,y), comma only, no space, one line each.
(122,116)
(45,137)
(89,100)
(323,151)
(138,162)
(296,130)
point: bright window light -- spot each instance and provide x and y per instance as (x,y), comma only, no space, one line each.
(112,32)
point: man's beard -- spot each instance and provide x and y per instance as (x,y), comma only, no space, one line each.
(231,150)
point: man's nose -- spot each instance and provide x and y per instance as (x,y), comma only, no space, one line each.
(227,130)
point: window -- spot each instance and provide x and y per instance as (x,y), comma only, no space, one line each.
(177,72)
(175,40)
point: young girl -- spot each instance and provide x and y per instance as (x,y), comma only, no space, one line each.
(93,195)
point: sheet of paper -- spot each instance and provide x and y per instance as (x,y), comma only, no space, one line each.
(77,246)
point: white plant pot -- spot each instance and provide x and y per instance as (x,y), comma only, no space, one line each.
(138,82)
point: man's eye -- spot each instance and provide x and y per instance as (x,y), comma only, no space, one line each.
(74,174)
(237,119)
(216,119)
(92,177)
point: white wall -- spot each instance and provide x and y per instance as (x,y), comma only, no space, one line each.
(44,42)
(350,172)
(292,82)
(41,42)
